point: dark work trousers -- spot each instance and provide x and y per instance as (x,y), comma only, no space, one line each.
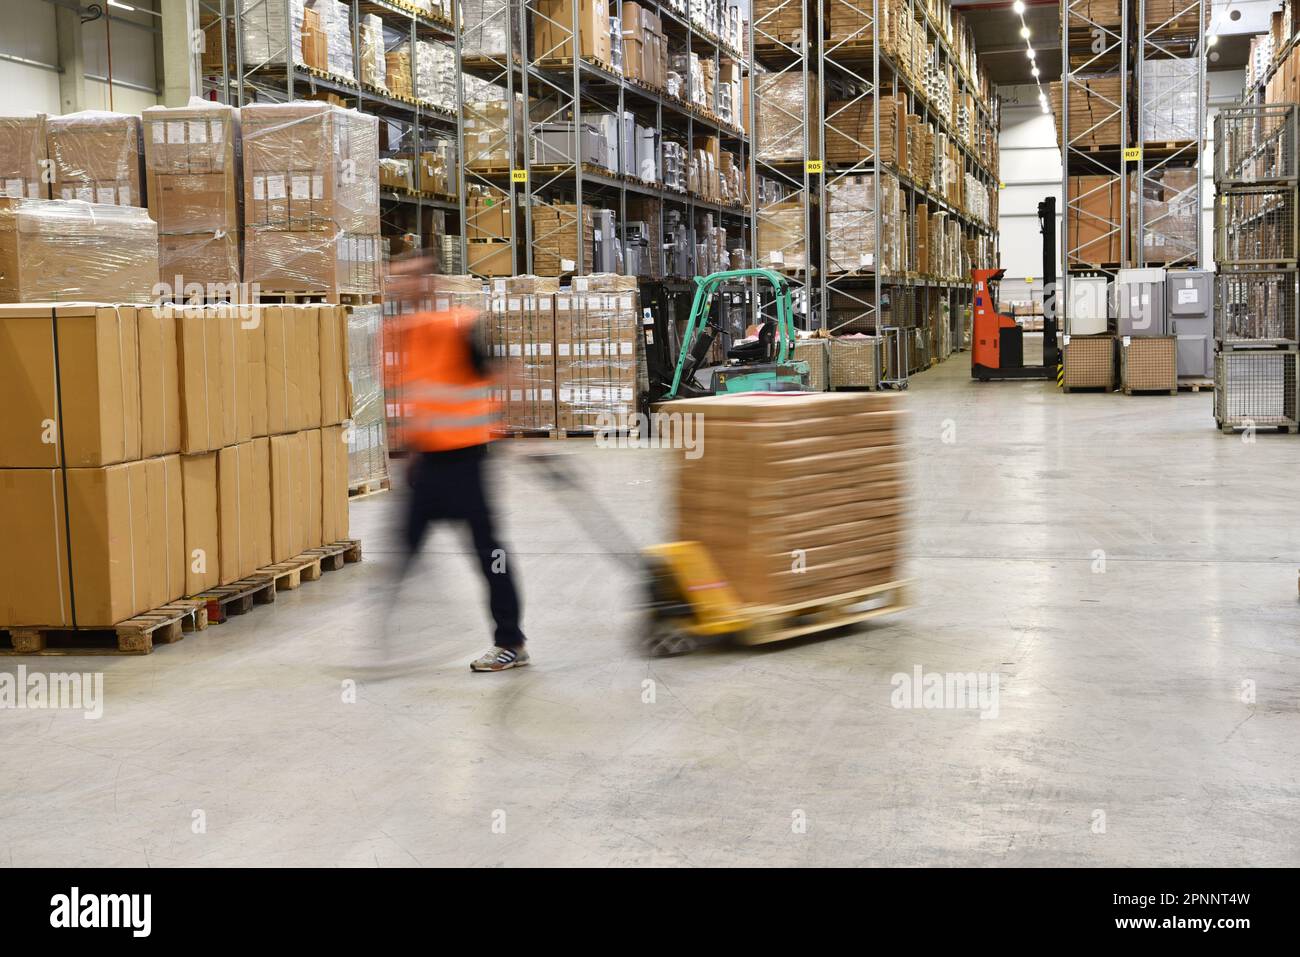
(451,487)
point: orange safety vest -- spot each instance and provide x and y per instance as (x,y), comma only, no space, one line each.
(445,403)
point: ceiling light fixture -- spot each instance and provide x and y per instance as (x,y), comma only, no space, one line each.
(1019,8)
(1024,32)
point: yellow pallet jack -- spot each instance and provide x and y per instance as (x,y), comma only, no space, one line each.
(688,601)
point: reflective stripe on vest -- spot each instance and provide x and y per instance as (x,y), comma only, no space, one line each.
(446,402)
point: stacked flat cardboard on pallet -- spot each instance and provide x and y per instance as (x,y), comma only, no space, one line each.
(823,505)
(154,453)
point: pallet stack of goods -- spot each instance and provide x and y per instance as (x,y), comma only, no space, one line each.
(840,456)
(153,454)
(311,199)
(1256,318)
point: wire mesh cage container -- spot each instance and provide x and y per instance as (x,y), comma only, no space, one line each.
(1255,226)
(1254,389)
(1256,307)
(1255,144)
(857,361)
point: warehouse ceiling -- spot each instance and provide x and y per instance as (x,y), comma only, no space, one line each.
(1002,51)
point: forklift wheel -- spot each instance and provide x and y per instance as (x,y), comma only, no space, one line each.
(666,638)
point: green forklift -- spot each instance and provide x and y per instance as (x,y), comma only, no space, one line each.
(764,364)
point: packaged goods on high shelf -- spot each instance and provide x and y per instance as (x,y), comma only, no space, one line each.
(214,448)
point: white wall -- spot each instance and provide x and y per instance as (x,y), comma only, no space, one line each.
(1031,171)
(29,32)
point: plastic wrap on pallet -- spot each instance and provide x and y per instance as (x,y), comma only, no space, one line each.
(193,171)
(368,439)
(493,134)
(1171,211)
(484,26)
(267,35)
(781,115)
(97,157)
(1170,105)
(851,224)
(374,63)
(311,198)
(782,240)
(23,156)
(596,329)
(58,250)
(435,74)
(335,20)
(521,333)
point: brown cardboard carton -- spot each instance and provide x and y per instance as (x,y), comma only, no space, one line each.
(334,484)
(160,401)
(23,155)
(553,22)
(97,157)
(209,259)
(36,589)
(250,334)
(293,374)
(94,417)
(313,528)
(205,351)
(75,252)
(334,403)
(289,495)
(243,509)
(202,530)
(163,485)
(108,522)
(312,261)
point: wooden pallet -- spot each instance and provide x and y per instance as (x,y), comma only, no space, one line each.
(289,296)
(1087,388)
(781,622)
(135,636)
(1131,391)
(1195,385)
(261,587)
(368,488)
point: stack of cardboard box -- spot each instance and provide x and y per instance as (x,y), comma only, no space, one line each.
(783,105)
(840,457)
(154,454)
(553,30)
(563,243)
(777,20)
(596,331)
(23,156)
(782,239)
(397,71)
(522,332)
(311,198)
(193,167)
(97,157)
(53,250)
(1094,111)
(1092,217)
(492,142)
(645,47)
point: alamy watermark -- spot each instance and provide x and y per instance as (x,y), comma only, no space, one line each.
(208,299)
(55,690)
(654,430)
(951,690)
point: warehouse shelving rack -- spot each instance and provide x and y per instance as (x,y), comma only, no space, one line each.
(1169,30)
(1122,41)
(229,76)
(1094,43)
(843,70)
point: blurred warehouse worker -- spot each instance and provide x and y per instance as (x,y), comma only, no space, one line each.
(446,398)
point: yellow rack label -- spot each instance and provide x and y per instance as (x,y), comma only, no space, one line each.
(812,166)
(519,176)
(1132,154)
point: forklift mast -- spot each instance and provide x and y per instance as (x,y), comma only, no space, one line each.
(1047,226)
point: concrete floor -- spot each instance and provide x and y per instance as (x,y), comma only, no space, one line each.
(1120,692)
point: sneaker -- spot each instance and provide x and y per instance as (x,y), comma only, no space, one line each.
(500,659)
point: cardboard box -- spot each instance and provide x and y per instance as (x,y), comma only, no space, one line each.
(334,484)
(244,508)
(293,370)
(335,403)
(165,493)
(193,265)
(23,155)
(108,522)
(97,157)
(37,589)
(53,251)
(313,261)
(289,495)
(160,399)
(205,344)
(490,259)
(202,528)
(77,405)
(553,26)
(313,529)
